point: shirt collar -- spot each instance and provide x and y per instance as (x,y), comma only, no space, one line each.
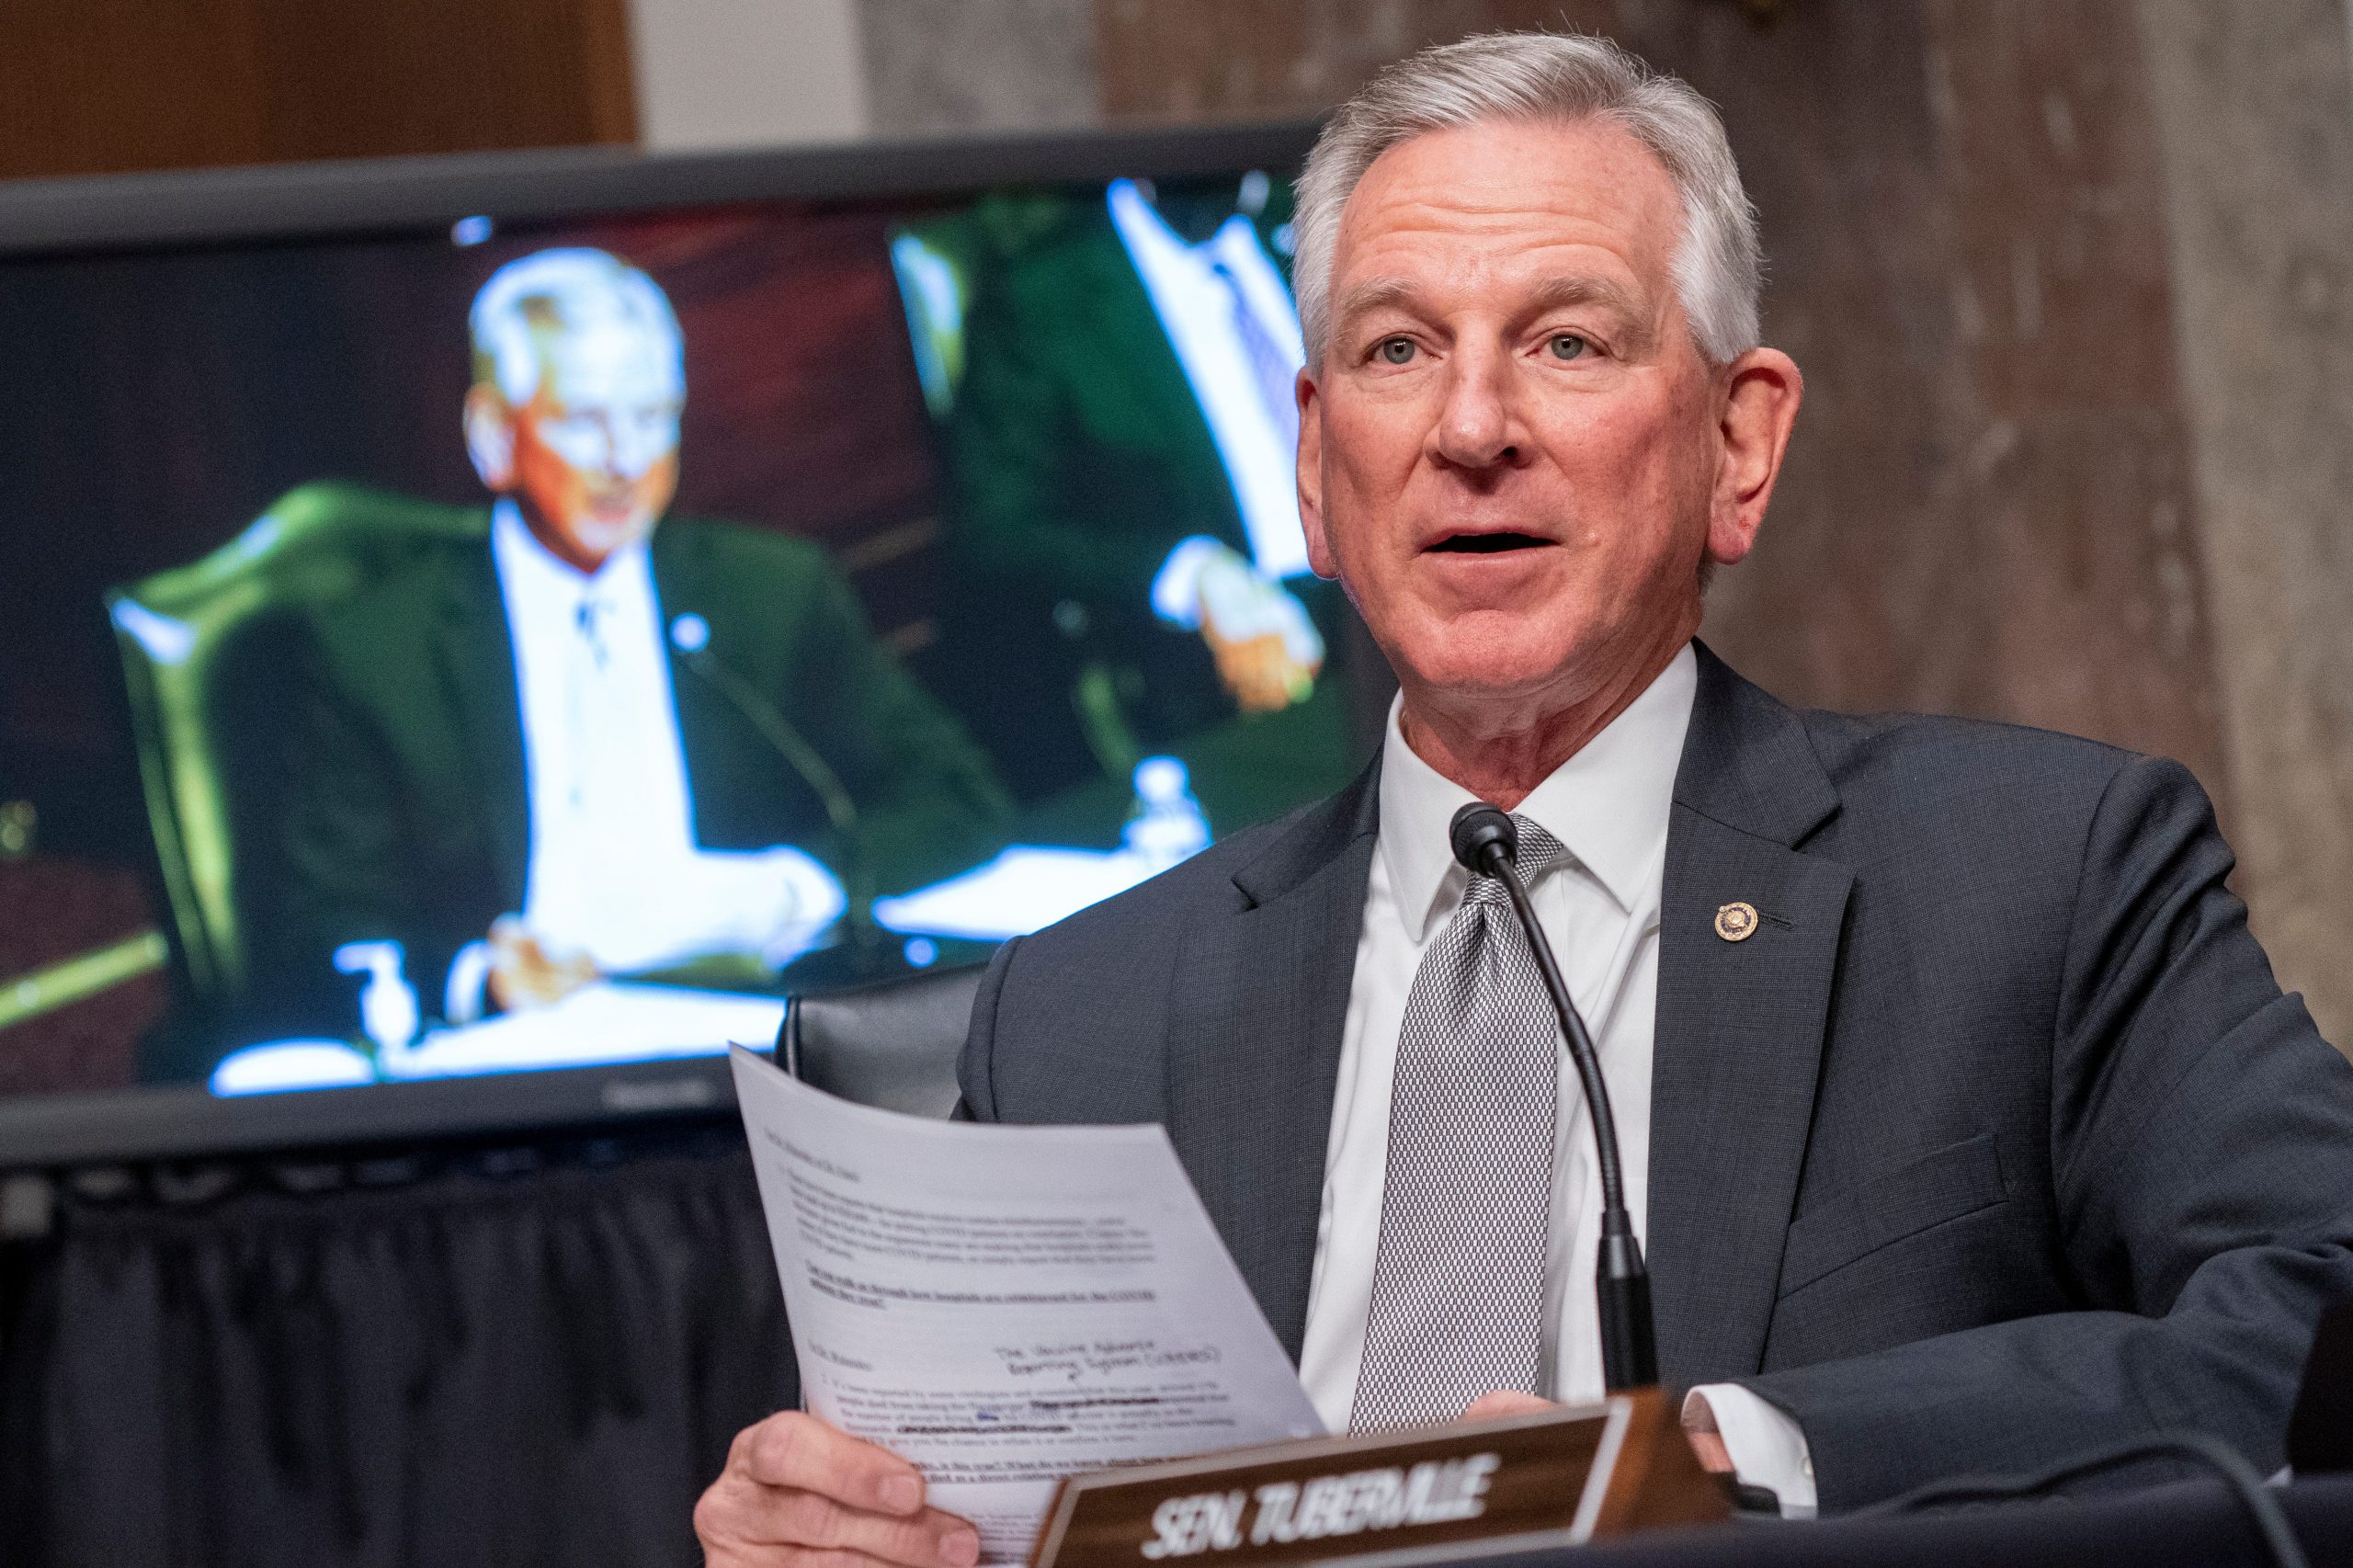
(1608,804)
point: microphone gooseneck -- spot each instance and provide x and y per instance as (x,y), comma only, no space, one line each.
(807,764)
(1485,841)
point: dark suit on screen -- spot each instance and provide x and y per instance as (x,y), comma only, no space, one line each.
(1996,1140)
(407,811)
(1081,458)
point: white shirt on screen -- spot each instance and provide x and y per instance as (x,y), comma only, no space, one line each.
(1229,319)
(614,870)
(1609,806)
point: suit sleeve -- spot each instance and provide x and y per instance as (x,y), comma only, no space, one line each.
(928,803)
(974,1068)
(2202,1157)
(1040,502)
(347,863)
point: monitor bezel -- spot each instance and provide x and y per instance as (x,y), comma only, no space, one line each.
(120,214)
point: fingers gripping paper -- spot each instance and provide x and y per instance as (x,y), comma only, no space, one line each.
(1004,1306)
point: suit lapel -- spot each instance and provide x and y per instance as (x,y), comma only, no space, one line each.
(682,588)
(1254,1045)
(476,659)
(1740,1023)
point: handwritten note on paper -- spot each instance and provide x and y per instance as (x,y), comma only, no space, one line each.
(1008,1305)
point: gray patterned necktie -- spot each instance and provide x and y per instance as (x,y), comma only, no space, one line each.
(1458,1287)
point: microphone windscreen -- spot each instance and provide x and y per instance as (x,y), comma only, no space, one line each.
(1476,826)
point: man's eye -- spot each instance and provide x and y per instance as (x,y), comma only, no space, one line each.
(1568,346)
(1396,350)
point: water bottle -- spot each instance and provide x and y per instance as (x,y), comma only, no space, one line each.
(1166,823)
(387,1009)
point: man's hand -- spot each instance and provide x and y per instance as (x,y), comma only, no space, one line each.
(1261,672)
(1708,1445)
(1266,648)
(813,899)
(1506,1402)
(523,974)
(797,1490)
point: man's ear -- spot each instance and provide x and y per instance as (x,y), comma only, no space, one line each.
(1762,392)
(490,437)
(1310,477)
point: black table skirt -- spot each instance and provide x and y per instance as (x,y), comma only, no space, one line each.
(523,1356)
(511,1357)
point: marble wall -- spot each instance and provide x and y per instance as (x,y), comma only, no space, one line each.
(934,68)
(2068,278)
(2255,116)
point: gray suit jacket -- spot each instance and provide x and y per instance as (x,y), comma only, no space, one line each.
(1997,1141)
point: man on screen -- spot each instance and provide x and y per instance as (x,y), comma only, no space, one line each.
(602,743)
(1119,426)
(1966,1128)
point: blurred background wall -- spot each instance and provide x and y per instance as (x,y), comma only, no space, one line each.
(2072,282)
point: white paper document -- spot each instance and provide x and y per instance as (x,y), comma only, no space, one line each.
(1004,1306)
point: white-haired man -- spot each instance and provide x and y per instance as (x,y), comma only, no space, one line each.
(570,738)
(1964,1124)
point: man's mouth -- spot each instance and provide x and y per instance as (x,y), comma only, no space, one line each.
(1488,543)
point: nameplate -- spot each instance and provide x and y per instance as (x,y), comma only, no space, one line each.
(1558,1478)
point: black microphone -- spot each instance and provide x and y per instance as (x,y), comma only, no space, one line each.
(1485,841)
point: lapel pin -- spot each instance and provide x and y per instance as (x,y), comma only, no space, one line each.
(1736,922)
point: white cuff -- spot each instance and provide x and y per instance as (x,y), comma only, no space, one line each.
(1767,1447)
(1177,586)
(468,986)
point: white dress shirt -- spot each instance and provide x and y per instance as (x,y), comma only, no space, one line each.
(1609,806)
(614,871)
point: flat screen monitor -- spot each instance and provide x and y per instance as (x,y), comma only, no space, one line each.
(529,616)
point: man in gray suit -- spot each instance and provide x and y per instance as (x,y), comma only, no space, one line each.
(1965,1125)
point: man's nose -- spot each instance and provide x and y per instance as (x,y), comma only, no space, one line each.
(1478,428)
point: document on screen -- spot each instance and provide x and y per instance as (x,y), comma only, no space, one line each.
(1005,1306)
